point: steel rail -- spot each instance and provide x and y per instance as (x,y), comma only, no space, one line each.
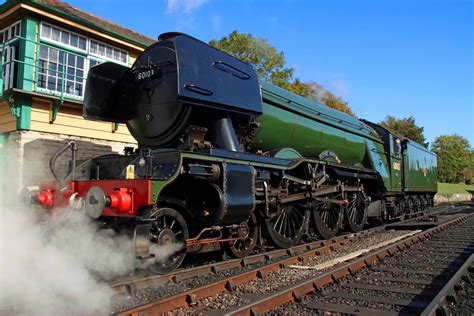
(130,285)
(298,291)
(446,294)
(191,296)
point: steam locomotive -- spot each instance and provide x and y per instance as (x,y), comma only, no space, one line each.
(226,161)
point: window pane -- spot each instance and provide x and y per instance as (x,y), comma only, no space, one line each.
(65,37)
(42,66)
(80,62)
(108,51)
(43,52)
(102,49)
(123,57)
(46,31)
(74,40)
(61,59)
(60,70)
(59,85)
(116,54)
(71,60)
(70,87)
(82,43)
(55,34)
(93,47)
(79,89)
(79,75)
(42,81)
(17,30)
(51,83)
(53,55)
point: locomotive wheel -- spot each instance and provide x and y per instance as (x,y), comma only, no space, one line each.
(355,212)
(168,233)
(327,218)
(244,247)
(286,227)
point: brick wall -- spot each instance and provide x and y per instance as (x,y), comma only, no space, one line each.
(28,154)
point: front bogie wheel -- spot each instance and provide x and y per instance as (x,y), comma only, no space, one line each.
(168,234)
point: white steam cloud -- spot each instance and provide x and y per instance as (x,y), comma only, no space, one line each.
(53,267)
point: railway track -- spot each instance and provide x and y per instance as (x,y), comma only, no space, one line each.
(188,288)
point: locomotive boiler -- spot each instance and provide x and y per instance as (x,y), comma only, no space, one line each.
(226,162)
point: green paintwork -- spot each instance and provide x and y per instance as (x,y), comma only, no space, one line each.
(26,54)
(287,153)
(395,164)
(156,186)
(310,128)
(378,161)
(420,172)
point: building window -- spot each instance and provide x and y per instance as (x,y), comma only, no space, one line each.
(64,37)
(108,52)
(65,58)
(61,71)
(9,33)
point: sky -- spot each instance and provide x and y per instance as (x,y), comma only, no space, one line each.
(384,57)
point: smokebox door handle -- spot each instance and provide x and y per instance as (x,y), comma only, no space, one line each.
(196,89)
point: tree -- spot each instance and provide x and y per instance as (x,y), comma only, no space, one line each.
(454,158)
(267,61)
(270,65)
(318,93)
(405,127)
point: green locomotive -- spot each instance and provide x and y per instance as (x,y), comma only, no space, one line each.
(225,161)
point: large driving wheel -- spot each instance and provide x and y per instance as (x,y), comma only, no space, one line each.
(286,227)
(327,217)
(243,247)
(168,234)
(356,211)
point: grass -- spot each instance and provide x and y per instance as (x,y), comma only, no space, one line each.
(451,188)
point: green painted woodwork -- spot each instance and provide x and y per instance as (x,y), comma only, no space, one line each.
(309,127)
(26,54)
(420,172)
(22,108)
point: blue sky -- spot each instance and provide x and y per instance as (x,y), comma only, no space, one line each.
(384,57)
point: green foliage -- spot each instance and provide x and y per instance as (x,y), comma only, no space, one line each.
(267,61)
(455,158)
(405,127)
(270,65)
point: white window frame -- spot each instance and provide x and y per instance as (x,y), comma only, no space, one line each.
(60,76)
(68,46)
(9,30)
(104,57)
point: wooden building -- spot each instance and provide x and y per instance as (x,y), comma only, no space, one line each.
(46,49)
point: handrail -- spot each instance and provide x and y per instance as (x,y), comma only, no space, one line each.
(61,73)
